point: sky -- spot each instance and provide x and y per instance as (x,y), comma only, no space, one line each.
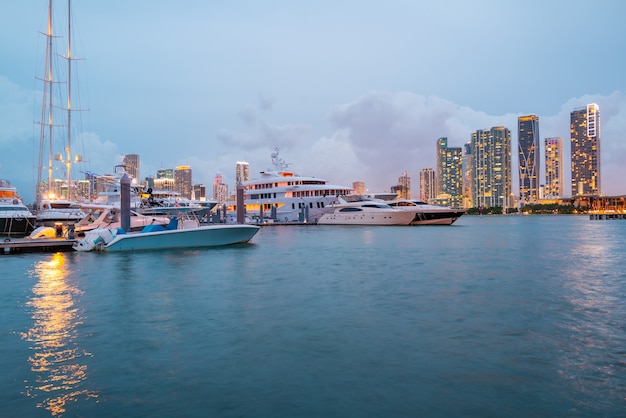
(348,90)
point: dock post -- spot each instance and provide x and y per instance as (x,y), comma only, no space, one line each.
(240,205)
(125,202)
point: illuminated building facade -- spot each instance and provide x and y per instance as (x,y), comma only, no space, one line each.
(491,167)
(428,184)
(467,175)
(528,150)
(220,190)
(449,173)
(131,165)
(199,192)
(359,187)
(585,150)
(554,186)
(242,172)
(403,189)
(182,181)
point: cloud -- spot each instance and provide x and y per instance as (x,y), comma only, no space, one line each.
(16,110)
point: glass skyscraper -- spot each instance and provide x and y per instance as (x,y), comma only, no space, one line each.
(491,167)
(528,150)
(450,173)
(585,149)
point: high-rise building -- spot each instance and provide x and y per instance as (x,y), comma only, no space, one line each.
(164,183)
(182,181)
(131,165)
(359,187)
(554,187)
(165,173)
(428,184)
(403,189)
(242,172)
(585,150)
(199,192)
(491,167)
(467,175)
(528,151)
(449,173)
(220,190)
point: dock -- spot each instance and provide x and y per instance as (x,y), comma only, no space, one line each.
(607,215)
(35,245)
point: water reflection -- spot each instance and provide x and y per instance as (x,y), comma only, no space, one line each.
(56,358)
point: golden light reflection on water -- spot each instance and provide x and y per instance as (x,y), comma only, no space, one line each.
(56,358)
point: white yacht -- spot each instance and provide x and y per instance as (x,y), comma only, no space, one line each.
(364,212)
(281,195)
(15,218)
(54,211)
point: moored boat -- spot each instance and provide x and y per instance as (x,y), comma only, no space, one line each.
(284,196)
(52,212)
(426,214)
(364,212)
(178,234)
(16,220)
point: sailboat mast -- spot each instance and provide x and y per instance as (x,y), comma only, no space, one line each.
(69,101)
(46,111)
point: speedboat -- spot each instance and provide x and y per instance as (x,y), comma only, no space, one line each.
(177,234)
(15,218)
(364,212)
(284,196)
(425,214)
(109,216)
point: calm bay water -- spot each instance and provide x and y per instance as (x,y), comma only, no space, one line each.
(493,316)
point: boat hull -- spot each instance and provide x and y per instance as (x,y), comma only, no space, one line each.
(16,226)
(366,218)
(203,236)
(436,218)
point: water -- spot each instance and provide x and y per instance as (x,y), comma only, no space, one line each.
(517,316)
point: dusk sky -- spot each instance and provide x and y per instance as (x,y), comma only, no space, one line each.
(347,90)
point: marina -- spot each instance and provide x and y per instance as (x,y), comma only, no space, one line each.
(313,321)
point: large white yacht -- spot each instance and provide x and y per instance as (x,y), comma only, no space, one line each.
(281,195)
(364,212)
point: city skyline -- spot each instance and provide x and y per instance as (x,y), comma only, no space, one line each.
(362,100)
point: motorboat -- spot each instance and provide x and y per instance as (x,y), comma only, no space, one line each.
(426,214)
(16,220)
(179,233)
(284,196)
(52,212)
(109,216)
(364,212)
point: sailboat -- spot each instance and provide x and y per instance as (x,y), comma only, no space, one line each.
(56,199)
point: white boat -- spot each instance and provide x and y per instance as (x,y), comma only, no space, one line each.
(178,234)
(52,212)
(16,220)
(425,214)
(284,196)
(364,212)
(109,216)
